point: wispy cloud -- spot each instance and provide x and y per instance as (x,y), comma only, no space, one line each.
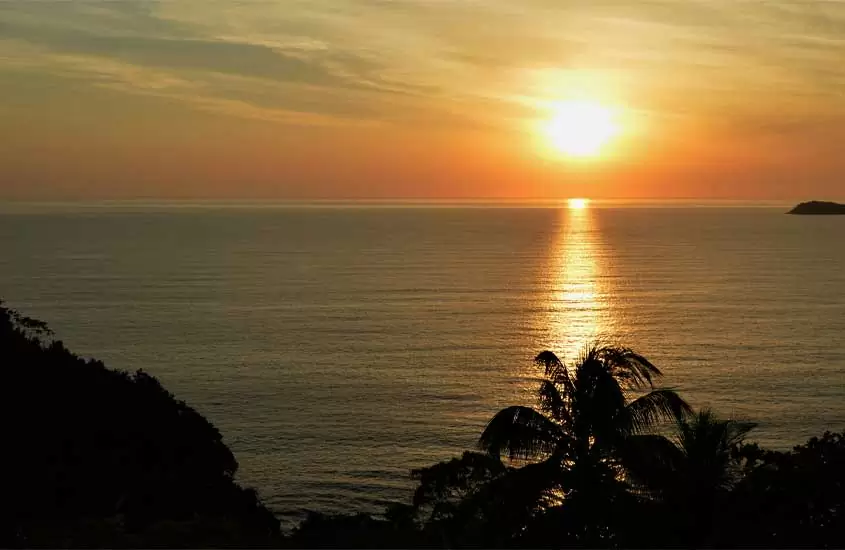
(86,43)
(400,56)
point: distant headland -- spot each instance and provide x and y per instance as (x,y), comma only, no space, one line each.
(818,208)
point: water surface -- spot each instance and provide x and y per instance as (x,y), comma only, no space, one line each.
(337,348)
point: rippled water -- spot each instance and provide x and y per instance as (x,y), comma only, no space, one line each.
(337,348)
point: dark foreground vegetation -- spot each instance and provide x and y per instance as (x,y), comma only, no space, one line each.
(608,460)
(97,457)
(94,457)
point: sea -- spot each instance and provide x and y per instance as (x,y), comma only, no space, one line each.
(339,346)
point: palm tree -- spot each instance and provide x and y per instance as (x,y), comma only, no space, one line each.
(585,411)
(692,471)
(707,454)
(588,414)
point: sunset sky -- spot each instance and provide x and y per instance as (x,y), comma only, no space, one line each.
(338,99)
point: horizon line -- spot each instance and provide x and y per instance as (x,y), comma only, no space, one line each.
(364,202)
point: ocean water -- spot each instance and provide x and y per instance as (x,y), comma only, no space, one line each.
(338,347)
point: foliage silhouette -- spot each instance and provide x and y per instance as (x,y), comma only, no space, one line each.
(96,457)
(478,500)
(589,413)
(689,475)
(794,499)
(590,469)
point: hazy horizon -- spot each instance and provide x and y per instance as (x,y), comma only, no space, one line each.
(562,202)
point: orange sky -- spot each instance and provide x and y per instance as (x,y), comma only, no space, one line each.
(400,99)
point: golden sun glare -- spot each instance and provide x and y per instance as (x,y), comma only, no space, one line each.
(578,204)
(580,128)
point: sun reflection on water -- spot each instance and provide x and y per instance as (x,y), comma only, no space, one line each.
(576,300)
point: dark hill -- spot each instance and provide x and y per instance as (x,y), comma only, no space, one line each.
(818,208)
(94,457)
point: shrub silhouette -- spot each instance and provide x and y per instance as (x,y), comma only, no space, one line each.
(601,478)
(97,457)
(791,499)
(93,456)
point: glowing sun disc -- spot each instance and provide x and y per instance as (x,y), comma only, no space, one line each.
(578,204)
(580,128)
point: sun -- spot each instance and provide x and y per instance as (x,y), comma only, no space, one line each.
(580,128)
(578,204)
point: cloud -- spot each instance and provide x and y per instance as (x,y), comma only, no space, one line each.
(126,35)
(463,62)
(215,93)
(210,55)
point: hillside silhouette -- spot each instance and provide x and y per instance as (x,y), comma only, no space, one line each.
(99,457)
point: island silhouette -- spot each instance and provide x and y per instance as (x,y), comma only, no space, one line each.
(818,208)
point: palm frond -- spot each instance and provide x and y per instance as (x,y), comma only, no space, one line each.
(552,402)
(706,429)
(648,410)
(553,367)
(555,370)
(739,430)
(650,462)
(521,432)
(598,402)
(548,360)
(710,446)
(627,365)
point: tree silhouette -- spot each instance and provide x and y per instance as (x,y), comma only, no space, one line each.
(691,473)
(95,456)
(790,499)
(588,415)
(595,465)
